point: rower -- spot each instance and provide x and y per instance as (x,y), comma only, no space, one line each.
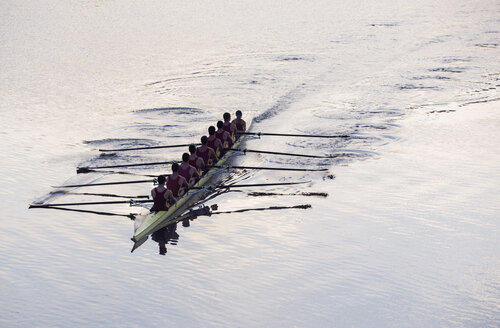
(186,170)
(228,125)
(206,153)
(176,183)
(162,197)
(195,160)
(241,125)
(223,135)
(214,142)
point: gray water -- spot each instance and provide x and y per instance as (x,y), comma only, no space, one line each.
(407,237)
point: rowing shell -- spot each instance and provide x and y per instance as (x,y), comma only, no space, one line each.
(151,222)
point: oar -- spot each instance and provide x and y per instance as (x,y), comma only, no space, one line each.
(303,207)
(260,194)
(130,216)
(91,203)
(250,185)
(88,169)
(270,168)
(278,153)
(105,183)
(97,194)
(295,135)
(150,147)
(223,167)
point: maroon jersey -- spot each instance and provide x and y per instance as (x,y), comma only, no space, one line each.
(185,172)
(173,185)
(159,201)
(193,161)
(228,126)
(211,144)
(222,136)
(204,155)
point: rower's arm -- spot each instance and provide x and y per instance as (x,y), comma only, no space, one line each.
(214,155)
(169,195)
(229,140)
(201,163)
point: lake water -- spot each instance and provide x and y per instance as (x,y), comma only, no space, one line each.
(407,237)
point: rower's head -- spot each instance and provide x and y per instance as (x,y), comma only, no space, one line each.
(192,148)
(220,124)
(239,114)
(185,157)
(161,180)
(204,140)
(211,130)
(175,167)
(226,116)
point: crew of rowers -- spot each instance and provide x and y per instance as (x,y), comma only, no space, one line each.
(196,162)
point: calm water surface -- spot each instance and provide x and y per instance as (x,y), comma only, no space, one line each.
(407,237)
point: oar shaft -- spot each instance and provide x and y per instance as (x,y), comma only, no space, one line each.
(106,195)
(303,207)
(89,203)
(83,169)
(260,184)
(130,216)
(271,168)
(293,135)
(149,147)
(277,153)
(250,185)
(104,184)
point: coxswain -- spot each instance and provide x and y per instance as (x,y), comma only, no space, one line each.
(162,197)
(195,160)
(186,170)
(241,125)
(214,142)
(228,125)
(176,183)
(223,135)
(206,153)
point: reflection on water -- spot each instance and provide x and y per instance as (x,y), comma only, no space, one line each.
(169,235)
(166,235)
